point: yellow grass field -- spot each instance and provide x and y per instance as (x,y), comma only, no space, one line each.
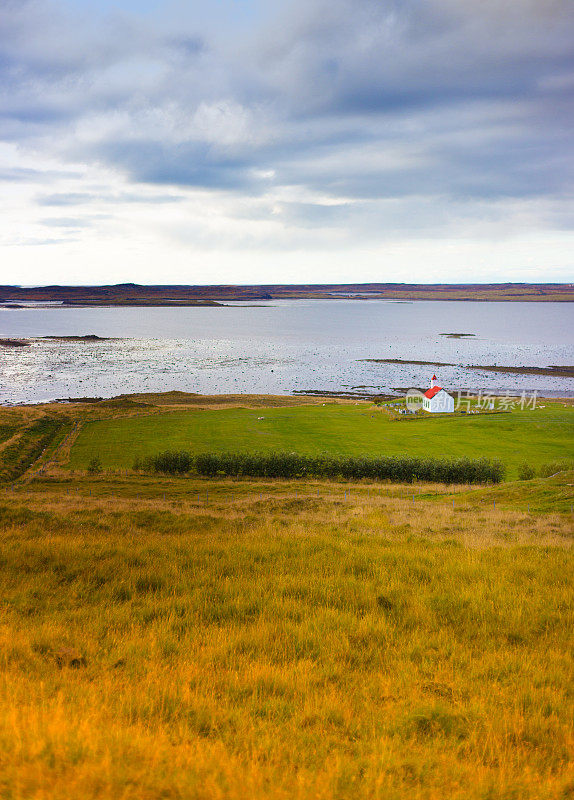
(194,639)
(272,647)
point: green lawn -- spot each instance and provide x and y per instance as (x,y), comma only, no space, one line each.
(537,436)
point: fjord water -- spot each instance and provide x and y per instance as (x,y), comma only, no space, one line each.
(282,346)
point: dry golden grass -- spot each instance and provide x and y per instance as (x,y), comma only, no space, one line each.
(176,399)
(265,646)
(186,638)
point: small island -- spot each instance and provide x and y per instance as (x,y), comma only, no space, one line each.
(14,343)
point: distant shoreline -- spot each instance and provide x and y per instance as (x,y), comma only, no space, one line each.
(296,397)
(130,294)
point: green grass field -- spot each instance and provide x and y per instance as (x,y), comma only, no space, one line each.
(539,436)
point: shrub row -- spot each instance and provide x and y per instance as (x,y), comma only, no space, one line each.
(171,462)
(401,469)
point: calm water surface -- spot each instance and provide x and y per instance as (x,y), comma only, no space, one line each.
(282,346)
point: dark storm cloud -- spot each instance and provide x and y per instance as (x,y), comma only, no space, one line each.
(361,99)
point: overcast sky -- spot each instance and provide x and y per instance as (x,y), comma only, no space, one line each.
(262,141)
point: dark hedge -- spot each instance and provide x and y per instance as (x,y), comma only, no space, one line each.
(400,469)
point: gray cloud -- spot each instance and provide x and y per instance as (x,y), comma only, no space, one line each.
(28,175)
(64,199)
(67,222)
(361,100)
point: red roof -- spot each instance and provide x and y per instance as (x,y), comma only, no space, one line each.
(434,377)
(432,391)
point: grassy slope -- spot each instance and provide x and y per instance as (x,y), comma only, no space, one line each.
(536,436)
(6,432)
(540,494)
(34,441)
(272,648)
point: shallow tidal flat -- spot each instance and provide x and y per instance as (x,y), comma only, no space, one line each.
(280,347)
(558,371)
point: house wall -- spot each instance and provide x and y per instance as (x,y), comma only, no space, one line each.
(440,403)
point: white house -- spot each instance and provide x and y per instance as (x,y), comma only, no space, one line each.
(436,400)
